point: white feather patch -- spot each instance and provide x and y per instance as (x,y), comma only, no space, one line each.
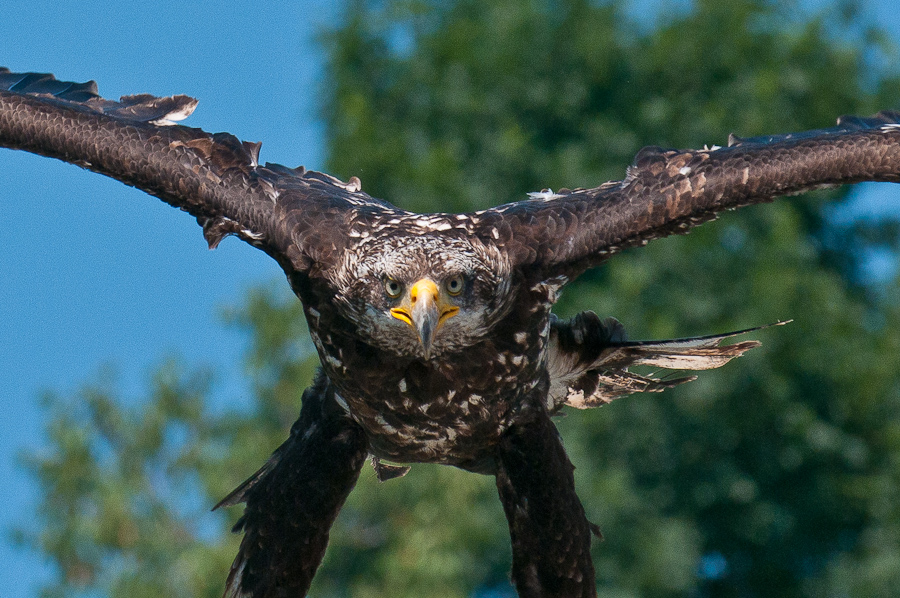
(544,195)
(174,116)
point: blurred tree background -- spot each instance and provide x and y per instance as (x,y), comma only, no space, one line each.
(775,476)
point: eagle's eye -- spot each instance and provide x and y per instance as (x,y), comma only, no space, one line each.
(454,285)
(392,287)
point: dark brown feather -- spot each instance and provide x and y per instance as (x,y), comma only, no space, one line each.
(296,216)
(293,500)
(671,191)
(551,536)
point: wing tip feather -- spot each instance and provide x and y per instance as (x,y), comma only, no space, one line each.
(140,107)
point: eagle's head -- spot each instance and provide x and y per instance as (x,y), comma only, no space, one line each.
(423,295)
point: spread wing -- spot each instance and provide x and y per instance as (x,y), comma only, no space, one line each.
(301,218)
(551,536)
(670,191)
(589,360)
(293,500)
(298,217)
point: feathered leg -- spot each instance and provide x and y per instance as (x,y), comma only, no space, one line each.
(294,499)
(551,537)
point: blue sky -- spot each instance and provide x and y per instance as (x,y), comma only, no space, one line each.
(97,273)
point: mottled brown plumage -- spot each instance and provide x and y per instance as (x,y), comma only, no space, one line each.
(435,331)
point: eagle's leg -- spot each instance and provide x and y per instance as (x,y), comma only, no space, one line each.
(551,537)
(294,499)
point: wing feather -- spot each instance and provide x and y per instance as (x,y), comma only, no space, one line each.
(293,500)
(551,536)
(670,191)
(297,216)
(302,217)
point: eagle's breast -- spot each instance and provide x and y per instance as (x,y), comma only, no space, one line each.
(451,409)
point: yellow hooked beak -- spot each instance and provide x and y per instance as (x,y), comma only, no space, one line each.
(425,309)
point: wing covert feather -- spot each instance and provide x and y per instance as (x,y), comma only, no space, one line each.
(670,191)
(296,216)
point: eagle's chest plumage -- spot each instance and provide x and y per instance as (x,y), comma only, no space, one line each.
(450,409)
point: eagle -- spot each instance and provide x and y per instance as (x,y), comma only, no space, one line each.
(435,332)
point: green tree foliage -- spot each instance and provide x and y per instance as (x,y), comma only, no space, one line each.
(776,476)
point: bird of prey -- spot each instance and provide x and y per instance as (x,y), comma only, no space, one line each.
(435,331)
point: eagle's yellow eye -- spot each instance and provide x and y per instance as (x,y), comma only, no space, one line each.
(455,285)
(392,287)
